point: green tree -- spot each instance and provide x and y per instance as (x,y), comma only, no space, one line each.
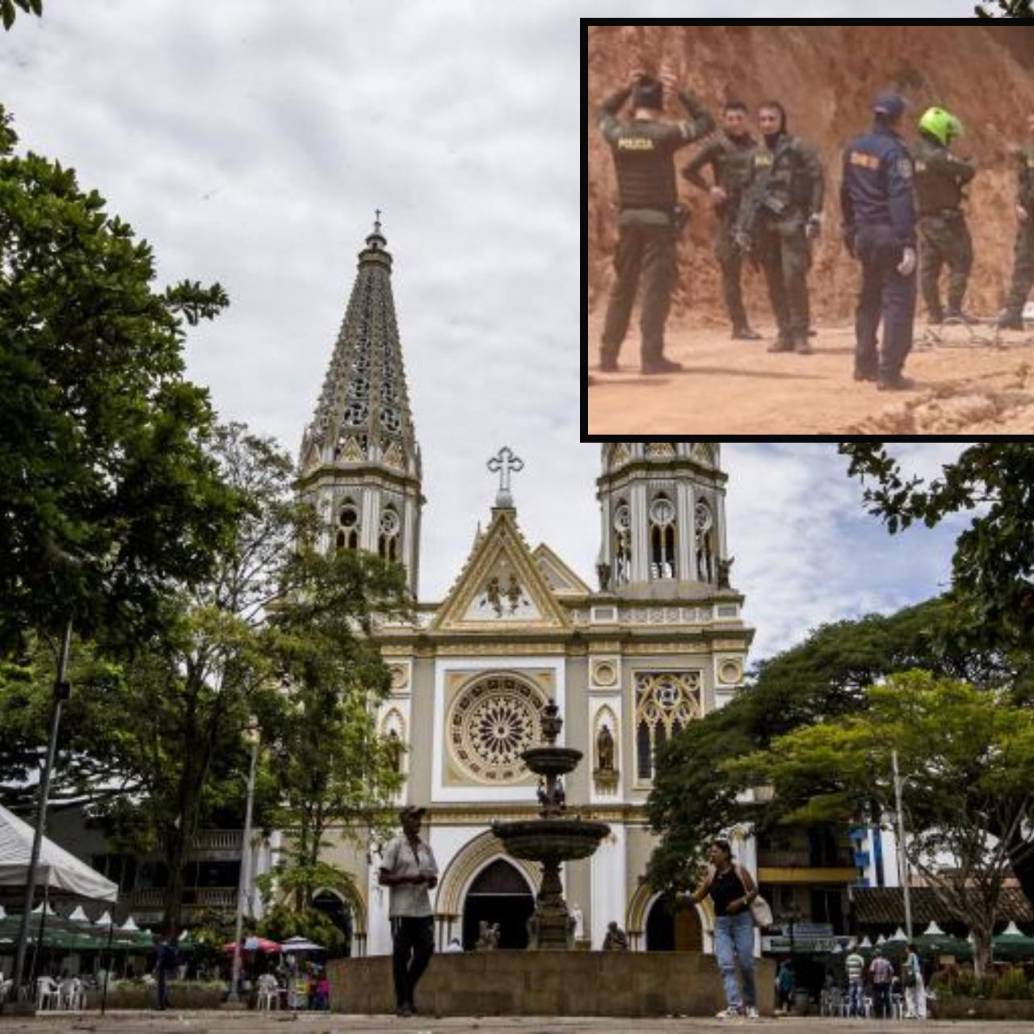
(1007,9)
(9,9)
(992,592)
(967,762)
(107,493)
(153,740)
(337,775)
(693,800)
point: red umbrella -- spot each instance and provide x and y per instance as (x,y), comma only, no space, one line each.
(254,944)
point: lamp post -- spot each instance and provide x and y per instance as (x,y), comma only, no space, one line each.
(902,859)
(252,734)
(61,692)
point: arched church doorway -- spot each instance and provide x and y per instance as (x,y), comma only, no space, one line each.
(499,894)
(335,909)
(672,929)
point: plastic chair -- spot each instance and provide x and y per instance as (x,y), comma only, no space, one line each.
(47,993)
(5,989)
(268,992)
(72,994)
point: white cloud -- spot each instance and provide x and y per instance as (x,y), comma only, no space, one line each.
(251,140)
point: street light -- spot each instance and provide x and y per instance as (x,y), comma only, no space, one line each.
(251,733)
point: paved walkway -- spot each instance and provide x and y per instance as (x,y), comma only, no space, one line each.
(334,1023)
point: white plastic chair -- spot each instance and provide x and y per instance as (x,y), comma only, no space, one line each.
(47,993)
(268,992)
(5,989)
(72,994)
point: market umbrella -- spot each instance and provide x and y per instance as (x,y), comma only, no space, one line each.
(293,944)
(267,947)
(1012,943)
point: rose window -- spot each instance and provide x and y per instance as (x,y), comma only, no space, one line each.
(491,723)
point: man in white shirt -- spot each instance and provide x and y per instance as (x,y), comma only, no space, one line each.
(408,868)
(854,964)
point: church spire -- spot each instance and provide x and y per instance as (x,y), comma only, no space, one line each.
(360,461)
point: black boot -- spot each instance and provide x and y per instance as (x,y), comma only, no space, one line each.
(1010,321)
(783,343)
(801,345)
(660,365)
(894,382)
(745,333)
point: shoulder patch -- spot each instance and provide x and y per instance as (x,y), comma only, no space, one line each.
(905,168)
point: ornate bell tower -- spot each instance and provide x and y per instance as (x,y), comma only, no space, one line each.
(663,520)
(360,461)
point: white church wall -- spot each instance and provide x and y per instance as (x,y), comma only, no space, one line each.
(608,884)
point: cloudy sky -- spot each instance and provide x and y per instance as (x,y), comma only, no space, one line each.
(251,140)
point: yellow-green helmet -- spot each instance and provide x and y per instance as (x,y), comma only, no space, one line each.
(941,125)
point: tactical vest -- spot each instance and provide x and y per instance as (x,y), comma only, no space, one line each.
(732,167)
(936,188)
(645,167)
(789,180)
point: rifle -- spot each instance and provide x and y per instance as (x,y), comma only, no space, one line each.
(755,201)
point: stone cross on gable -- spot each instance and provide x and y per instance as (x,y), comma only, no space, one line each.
(504,462)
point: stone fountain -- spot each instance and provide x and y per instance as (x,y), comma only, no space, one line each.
(552,839)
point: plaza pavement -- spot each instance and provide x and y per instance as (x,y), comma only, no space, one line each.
(130,1022)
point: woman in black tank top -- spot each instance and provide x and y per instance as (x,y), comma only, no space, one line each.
(731,890)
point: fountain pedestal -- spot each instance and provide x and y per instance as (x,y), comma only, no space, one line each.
(553,839)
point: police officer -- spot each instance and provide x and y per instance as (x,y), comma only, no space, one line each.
(780,212)
(643,150)
(1023,263)
(943,234)
(729,152)
(879,226)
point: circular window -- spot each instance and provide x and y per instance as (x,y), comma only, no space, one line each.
(389,523)
(662,511)
(490,723)
(729,671)
(605,674)
(622,517)
(349,516)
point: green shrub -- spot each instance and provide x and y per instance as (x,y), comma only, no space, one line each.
(1012,984)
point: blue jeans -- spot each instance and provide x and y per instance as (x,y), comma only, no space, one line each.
(856,998)
(735,934)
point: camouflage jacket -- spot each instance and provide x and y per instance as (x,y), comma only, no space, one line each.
(939,176)
(796,184)
(730,160)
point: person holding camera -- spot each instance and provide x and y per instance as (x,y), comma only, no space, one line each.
(409,869)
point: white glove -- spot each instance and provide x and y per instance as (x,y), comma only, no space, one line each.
(1021,213)
(907,265)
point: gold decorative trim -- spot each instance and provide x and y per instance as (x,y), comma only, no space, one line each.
(465,865)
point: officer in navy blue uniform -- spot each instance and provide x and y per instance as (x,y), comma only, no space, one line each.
(879,225)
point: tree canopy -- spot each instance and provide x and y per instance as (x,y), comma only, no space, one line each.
(967,763)
(107,492)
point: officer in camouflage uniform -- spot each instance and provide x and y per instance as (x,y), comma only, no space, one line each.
(1023,262)
(943,235)
(648,220)
(781,211)
(729,152)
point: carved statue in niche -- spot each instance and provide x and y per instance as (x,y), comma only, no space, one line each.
(705,548)
(603,572)
(488,936)
(514,594)
(395,751)
(605,749)
(615,939)
(493,596)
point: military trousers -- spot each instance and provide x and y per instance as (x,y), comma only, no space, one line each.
(644,250)
(782,250)
(886,295)
(944,241)
(730,262)
(1022,269)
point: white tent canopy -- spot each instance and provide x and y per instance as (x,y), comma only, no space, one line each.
(57,868)
(299,944)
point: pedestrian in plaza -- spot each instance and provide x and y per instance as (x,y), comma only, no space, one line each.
(784,986)
(882,973)
(912,981)
(408,867)
(854,966)
(165,961)
(731,889)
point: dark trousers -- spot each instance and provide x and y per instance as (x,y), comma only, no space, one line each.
(886,295)
(782,250)
(730,260)
(1022,268)
(414,945)
(944,240)
(161,991)
(647,250)
(881,1001)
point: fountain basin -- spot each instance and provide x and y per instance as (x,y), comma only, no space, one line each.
(551,760)
(554,840)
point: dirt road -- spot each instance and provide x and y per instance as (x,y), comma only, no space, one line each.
(731,387)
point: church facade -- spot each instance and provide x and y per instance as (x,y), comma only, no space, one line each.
(655,643)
